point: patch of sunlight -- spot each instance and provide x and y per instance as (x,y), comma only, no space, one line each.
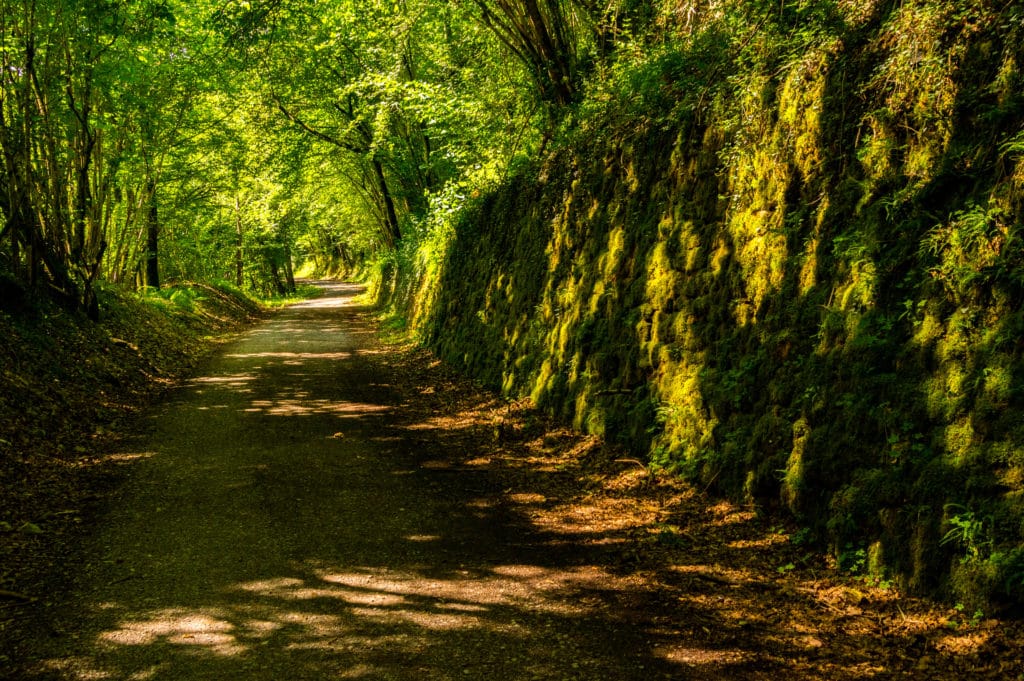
(323,303)
(463,607)
(296,589)
(180,627)
(433,423)
(526,498)
(227,380)
(463,599)
(129,456)
(317,625)
(270,585)
(702,656)
(521,571)
(960,643)
(762,543)
(302,407)
(375,599)
(436,621)
(293,355)
(297,326)
(502,586)
(727,514)
(260,628)
(580,518)
(447,422)
(411,604)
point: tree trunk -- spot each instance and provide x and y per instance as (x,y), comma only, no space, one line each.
(275,271)
(239,264)
(83,195)
(89,299)
(393,233)
(346,258)
(152,239)
(289,271)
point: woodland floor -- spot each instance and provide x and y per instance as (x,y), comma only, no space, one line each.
(316,504)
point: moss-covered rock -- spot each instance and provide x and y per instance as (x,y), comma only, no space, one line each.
(799,281)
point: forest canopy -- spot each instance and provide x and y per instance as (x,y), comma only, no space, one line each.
(146,140)
(153,140)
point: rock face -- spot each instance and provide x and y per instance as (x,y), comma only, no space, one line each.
(799,281)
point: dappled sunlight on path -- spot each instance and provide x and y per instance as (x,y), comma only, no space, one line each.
(378,611)
(509,621)
(291,519)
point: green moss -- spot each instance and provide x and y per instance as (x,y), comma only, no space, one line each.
(806,294)
(793,481)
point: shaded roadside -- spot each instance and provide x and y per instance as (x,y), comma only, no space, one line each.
(69,387)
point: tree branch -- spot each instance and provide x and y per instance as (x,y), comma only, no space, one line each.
(313,131)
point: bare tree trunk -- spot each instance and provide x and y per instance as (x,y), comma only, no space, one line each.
(89,299)
(540,35)
(346,257)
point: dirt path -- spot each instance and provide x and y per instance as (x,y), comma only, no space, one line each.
(308,509)
(290,522)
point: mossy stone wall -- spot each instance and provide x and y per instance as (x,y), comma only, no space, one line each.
(807,294)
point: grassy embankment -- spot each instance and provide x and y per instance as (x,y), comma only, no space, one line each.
(69,386)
